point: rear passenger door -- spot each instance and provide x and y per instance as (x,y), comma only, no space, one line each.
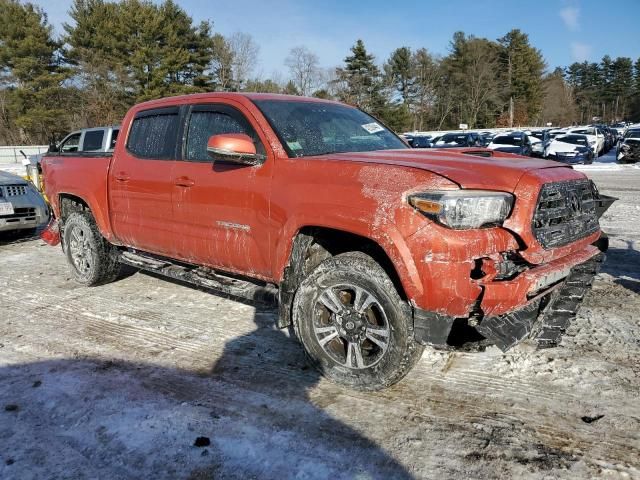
(221,208)
(141,182)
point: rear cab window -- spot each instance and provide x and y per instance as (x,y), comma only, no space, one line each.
(154,133)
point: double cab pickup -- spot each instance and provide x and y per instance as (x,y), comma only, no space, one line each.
(373,250)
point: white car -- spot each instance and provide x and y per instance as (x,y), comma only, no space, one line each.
(571,148)
(594,135)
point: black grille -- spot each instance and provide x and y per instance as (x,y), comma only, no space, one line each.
(566,212)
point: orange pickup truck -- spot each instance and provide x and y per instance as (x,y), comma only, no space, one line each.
(372,250)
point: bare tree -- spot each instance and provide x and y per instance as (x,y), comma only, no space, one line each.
(245,56)
(305,72)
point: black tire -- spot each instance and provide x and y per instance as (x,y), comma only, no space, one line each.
(375,367)
(88,253)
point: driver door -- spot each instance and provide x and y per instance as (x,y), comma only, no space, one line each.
(221,208)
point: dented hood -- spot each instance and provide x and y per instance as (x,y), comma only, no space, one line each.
(468,171)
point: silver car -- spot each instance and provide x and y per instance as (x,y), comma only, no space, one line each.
(21,205)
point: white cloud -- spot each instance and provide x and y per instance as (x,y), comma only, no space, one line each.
(580,51)
(570,16)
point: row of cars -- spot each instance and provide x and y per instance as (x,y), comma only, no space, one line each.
(568,145)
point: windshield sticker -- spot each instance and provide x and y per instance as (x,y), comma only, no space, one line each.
(294,145)
(373,127)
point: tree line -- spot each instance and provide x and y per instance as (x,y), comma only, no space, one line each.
(113,54)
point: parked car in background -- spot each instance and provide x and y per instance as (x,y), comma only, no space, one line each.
(421,141)
(619,127)
(456,140)
(571,148)
(21,205)
(595,138)
(540,140)
(485,138)
(98,139)
(628,148)
(512,142)
(556,132)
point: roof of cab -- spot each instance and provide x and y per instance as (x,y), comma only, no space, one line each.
(229,95)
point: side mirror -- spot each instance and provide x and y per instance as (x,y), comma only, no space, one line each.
(234,147)
(53,148)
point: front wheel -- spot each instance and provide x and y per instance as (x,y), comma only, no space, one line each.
(353,324)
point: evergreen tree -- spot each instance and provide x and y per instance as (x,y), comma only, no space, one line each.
(472,73)
(32,76)
(522,69)
(400,73)
(361,80)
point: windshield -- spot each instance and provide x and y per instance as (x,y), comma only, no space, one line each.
(453,138)
(507,140)
(317,128)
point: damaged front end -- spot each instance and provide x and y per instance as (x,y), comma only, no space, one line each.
(544,318)
(528,291)
(629,151)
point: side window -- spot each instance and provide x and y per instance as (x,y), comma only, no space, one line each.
(70,144)
(153,134)
(93,140)
(207,121)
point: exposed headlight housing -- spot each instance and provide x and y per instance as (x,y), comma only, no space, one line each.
(464,209)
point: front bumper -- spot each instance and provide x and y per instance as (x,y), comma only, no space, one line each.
(543,315)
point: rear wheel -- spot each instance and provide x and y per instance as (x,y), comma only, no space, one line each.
(88,253)
(353,324)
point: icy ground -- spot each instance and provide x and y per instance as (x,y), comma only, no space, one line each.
(118,382)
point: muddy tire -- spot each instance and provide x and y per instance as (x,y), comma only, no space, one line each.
(354,326)
(88,253)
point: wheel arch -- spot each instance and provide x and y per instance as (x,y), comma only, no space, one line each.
(313,244)
(68,203)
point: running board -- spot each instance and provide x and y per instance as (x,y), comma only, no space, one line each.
(258,292)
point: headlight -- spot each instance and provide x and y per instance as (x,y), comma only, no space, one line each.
(593,142)
(625,147)
(464,209)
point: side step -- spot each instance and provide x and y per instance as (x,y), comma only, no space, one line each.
(257,292)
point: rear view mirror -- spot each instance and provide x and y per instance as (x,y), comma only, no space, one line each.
(234,147)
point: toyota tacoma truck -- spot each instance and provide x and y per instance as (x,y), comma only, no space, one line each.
(372,249)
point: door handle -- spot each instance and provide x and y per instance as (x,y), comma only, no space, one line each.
(184,182)
(122,177)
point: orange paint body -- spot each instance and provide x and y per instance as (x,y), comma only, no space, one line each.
(244,219)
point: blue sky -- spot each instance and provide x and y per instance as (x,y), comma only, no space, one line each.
(565,30)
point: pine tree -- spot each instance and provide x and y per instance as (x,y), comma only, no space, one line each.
(400,73)
(32,75)
(362,81)
(523,67)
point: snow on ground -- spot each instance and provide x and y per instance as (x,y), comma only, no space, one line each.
(118,381)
